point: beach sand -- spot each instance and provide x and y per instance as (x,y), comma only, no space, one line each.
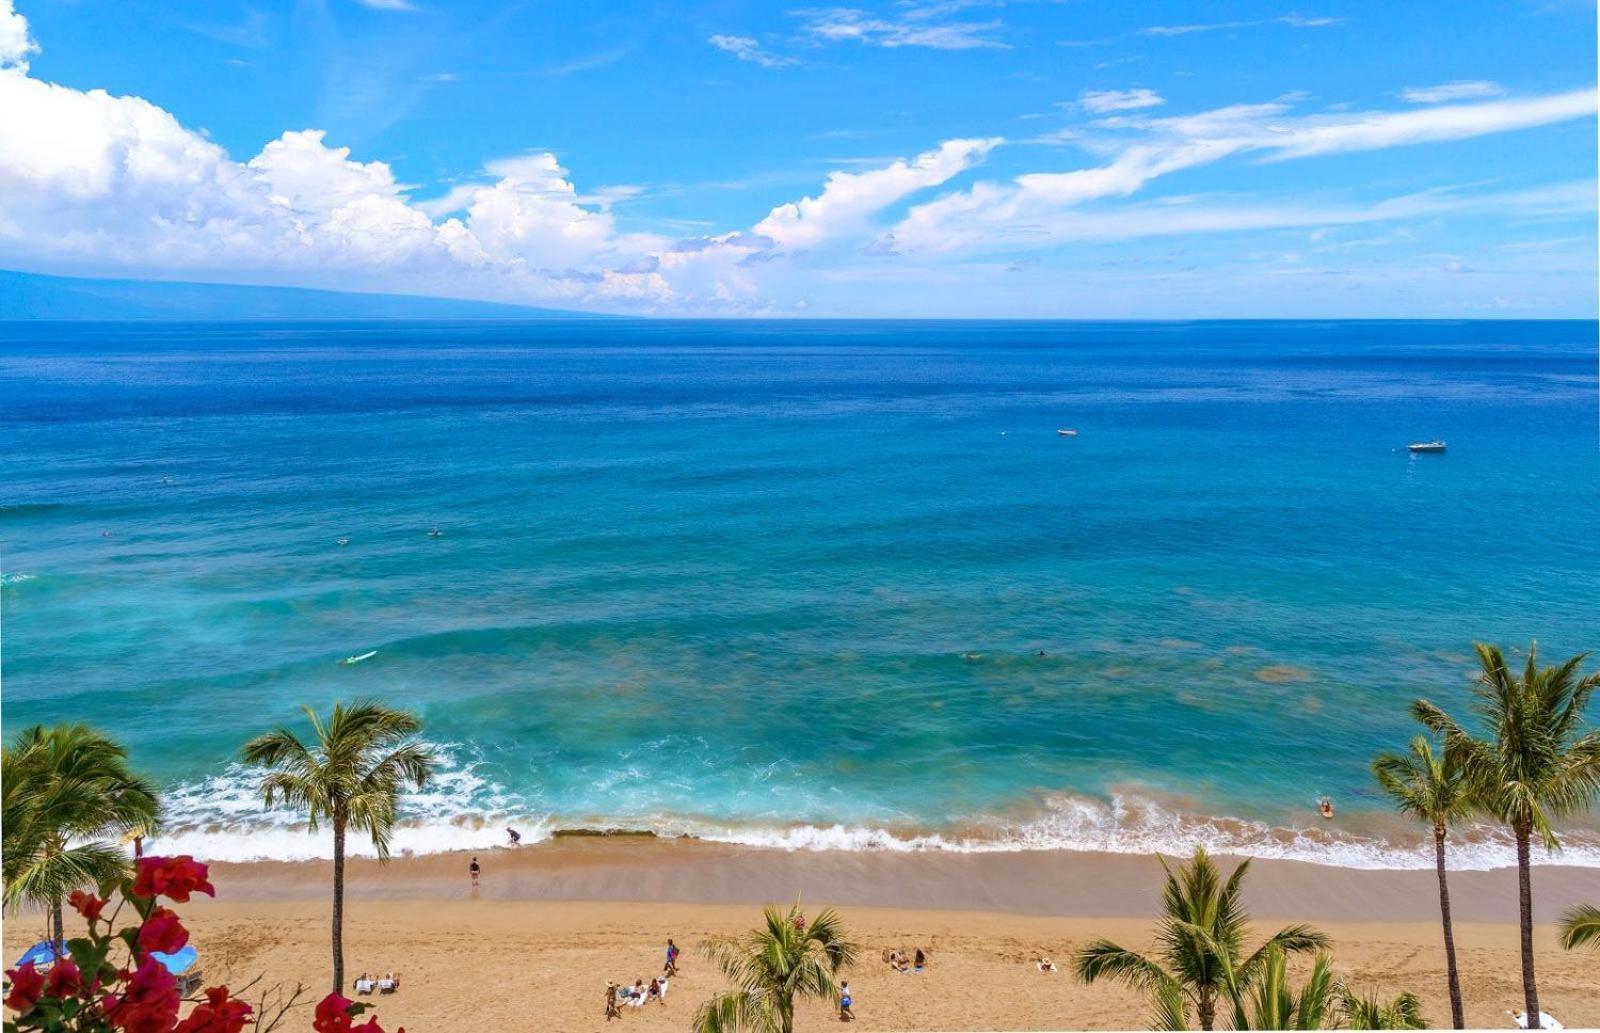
(551,923)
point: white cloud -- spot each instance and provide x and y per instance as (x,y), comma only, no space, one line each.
(388,5)
(850,197)
(1460,89)
(746,49)
(915,26)
(1030,210)
(1102,101)
(1296,21)
(15,46)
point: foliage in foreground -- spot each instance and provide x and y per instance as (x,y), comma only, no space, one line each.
(110,979)
(771,967)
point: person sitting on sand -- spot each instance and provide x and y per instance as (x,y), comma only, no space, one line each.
(389,983)
(1045,965)
(920,962)
(654,993)
(845,1003)
(365,984)
(612,1011)
(1326,807)
(637,997)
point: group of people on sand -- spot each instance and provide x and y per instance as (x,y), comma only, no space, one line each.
(902,962)
(365,984)
(639,994)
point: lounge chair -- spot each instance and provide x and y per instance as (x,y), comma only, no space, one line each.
(388,984)
(1546,1020)
(366,986)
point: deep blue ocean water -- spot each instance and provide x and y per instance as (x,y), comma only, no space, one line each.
(802,583)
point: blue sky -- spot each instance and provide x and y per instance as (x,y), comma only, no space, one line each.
(912,158)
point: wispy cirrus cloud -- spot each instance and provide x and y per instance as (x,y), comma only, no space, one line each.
(1103,101)
(911,25)
(747,49)
(1459,89)
(1296,21)
(1141,149)
(388,5)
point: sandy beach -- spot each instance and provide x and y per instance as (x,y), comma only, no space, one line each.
(534,946)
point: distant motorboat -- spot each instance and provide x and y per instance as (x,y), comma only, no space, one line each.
(1426,446)
(1067,432)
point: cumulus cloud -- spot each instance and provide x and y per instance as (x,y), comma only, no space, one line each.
(1102,101)
(15,46)
(1459,89)
(746,49)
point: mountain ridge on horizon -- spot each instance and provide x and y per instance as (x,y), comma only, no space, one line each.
(46,298)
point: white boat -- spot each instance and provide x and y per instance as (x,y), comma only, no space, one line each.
(1067,432)
(1426,446)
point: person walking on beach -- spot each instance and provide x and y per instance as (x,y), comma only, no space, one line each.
(672,957)
(475,870)
(845,1002)
(612,1011)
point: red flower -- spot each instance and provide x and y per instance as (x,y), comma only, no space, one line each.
(149,1001)
(26,986)
(171,877)
(163,932)
(218,1015)
(63,979)
(87,904)
(334,1016)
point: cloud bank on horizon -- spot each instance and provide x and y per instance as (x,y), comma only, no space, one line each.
(96,183)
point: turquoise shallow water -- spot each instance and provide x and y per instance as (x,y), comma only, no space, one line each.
(790,583)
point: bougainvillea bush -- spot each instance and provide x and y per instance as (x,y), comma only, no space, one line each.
(109,979)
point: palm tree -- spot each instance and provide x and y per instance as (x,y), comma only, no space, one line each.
(350,776)
(1404,1011)
(1201,936)
(1428,786)
(66,789)
(1537,766)
(1271,1003)
(1579,926)
(771,966)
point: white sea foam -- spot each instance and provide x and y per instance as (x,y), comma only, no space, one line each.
(222,819)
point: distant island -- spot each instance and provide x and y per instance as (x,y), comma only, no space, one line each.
(36,296)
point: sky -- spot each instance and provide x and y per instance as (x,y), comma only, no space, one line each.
(909,158)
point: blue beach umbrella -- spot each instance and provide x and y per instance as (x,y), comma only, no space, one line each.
(179,961)
(42,954)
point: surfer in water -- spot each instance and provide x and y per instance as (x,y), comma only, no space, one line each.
(515,836)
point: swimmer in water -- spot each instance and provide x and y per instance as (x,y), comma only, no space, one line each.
(1326,807)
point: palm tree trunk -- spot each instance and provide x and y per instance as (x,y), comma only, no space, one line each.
(338,905)
(1208,1012)
(58,931)
(1456,1014)
(1530,990)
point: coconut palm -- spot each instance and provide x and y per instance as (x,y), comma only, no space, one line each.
(67,789)
(1429,786)
(1537,765)
(1272,1003)
(786,958)
(1580,926)
(1404,1011)
(350,776)
(1200,958)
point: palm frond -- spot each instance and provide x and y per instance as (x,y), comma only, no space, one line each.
(1580,926)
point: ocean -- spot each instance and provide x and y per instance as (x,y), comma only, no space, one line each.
(802,584)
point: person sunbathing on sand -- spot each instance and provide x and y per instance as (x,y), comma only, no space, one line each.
(1046,965)
(637,997)
(365,984)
